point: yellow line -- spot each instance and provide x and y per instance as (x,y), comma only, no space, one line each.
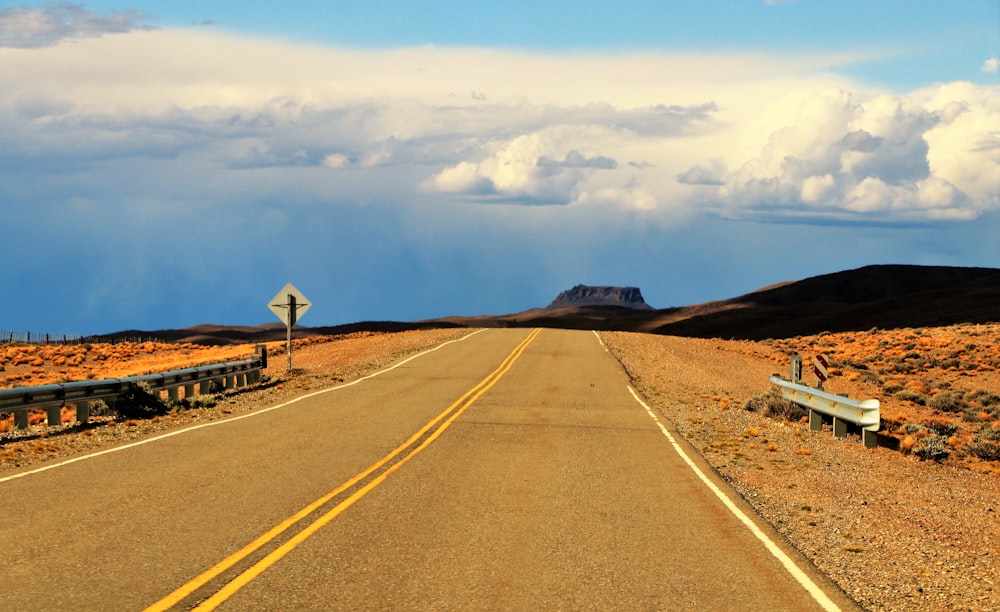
(459,406)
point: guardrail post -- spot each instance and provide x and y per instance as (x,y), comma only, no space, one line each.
(869,438)
(20,419)
(53,415)
(815,420)
(204,387)
(839,428)
(173,393)
(189,391)
(241,379)
(82,411)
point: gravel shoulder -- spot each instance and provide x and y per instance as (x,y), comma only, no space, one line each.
(894,532)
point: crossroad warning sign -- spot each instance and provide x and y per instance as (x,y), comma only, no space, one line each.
(289,305)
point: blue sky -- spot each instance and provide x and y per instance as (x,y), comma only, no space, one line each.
(164,164)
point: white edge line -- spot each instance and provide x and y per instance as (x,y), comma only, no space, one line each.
(599,340)
(234,419)
(796,572)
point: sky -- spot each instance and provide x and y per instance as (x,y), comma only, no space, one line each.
(172,163)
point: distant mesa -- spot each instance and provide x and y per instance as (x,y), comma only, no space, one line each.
(879,296)
(583,295)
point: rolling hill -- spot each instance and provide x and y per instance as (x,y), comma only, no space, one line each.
(883,296)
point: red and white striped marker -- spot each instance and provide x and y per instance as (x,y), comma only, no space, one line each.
(820,365)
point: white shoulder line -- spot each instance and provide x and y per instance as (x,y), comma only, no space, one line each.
(796,572)
(599,340)
(233,419)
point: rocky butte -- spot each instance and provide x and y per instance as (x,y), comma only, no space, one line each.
(582,295)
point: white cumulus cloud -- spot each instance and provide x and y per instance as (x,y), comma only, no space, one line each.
(929,155)
(736,134)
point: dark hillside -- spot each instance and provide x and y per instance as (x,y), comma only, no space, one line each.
(887,297)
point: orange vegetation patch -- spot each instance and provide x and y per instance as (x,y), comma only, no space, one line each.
(939,387)
(29,364)
(23,365)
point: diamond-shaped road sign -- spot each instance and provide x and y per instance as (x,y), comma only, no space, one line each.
(289,304)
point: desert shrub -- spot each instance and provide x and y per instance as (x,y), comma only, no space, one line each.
(870,377)
(932,448)
(985,398)
(758,403)
(941,427)
(912,395)
(912,428)
(971,415)
(187,403)
(100,408)
(987,450)
(204,401)
(773,405)
(893,388)
(990,433)
(857,365)
(903,367)
(138,403)
(947,363)
(948,402)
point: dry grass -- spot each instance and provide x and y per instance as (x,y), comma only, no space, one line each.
(32,364)
(931,382)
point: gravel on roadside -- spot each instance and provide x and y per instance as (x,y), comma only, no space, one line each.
(895,532)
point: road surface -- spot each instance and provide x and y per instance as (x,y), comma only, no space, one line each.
(510,470)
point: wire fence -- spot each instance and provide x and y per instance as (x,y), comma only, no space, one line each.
(27,337)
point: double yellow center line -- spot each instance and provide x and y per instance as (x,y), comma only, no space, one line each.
(400,455)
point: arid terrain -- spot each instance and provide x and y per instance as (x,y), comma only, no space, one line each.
(909,525)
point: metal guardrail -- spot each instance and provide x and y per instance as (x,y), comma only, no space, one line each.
(229,375)
(863,413)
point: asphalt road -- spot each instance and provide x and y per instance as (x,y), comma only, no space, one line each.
(512,470)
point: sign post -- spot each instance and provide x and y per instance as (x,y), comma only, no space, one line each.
(289,304)
(795,375)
